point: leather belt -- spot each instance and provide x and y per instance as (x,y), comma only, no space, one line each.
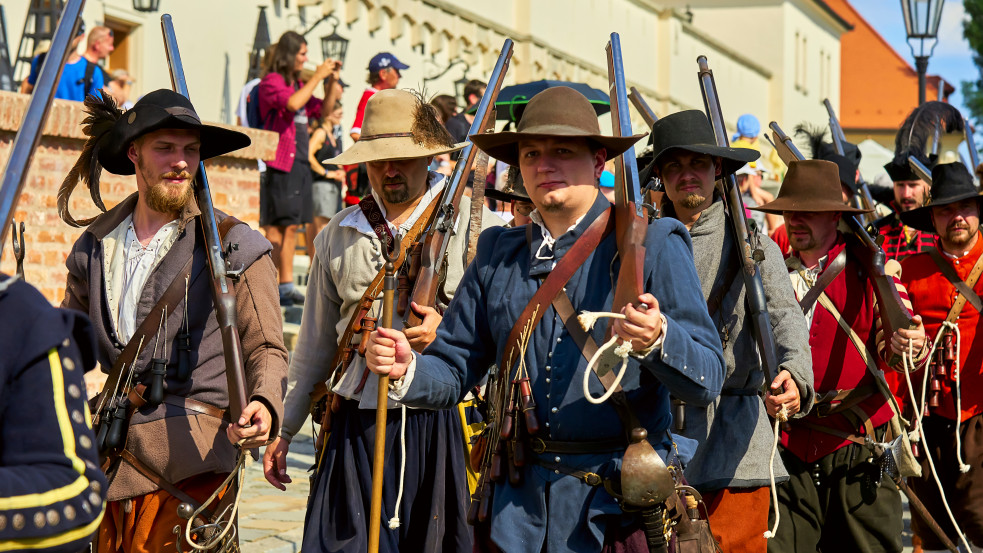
(137,400)
(739,392)
(836,401)
(611,445)
(587,477)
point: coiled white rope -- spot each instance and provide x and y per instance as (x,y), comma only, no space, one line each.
(394,521)
(587,320)
(919,409)
(780,418)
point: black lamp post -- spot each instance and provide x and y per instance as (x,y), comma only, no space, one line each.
(459,87)
(334,46)
(149,6)
(921,21)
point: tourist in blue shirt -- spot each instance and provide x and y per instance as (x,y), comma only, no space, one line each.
(81,75)
(560,152)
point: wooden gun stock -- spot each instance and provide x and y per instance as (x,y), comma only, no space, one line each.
(642,107)
(439,230)
(631,225)
(748,252)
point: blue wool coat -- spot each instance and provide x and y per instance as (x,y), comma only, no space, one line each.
(550,508)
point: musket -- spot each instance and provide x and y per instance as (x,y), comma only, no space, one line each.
(974,156)
(921,170)
(32,126)
(749,251)
(643,107)
(866,200)
(893,313)
(437,238)
(382,403)
(222,277)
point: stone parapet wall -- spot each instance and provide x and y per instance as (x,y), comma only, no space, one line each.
(234,181)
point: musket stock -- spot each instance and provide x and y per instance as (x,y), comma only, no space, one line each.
(642,107)
(439,228)
(631,223)
(749,252)
(32,126)
(222,293)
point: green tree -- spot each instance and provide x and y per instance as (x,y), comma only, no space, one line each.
(972,91)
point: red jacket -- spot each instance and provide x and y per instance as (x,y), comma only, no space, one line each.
(932,297)
(837,365)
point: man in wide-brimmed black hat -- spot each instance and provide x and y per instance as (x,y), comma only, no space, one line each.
(735,484)
(831,502)
(557,502)
(943,285)
(140,271)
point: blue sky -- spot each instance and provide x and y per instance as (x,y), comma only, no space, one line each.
(952,58)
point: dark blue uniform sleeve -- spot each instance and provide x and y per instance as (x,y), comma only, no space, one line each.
(464,349)
(690,362)
(52,491)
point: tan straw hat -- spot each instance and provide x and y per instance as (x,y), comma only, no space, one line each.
(555,112)
(398,125)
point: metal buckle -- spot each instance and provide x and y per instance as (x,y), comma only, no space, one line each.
(592,479)
(538,445)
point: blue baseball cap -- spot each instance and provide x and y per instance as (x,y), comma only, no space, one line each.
(382,60)
(747,125)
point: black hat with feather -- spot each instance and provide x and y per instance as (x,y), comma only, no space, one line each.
(847,162)
(916,135)
(111,131)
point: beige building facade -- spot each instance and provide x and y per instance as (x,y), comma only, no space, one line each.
(776,59)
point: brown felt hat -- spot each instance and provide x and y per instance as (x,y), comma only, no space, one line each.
(555,112)
(397,125)
(811,185)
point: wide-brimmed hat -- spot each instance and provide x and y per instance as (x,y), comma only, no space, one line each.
(555,112)
(691,131)
(811,185)
(398,125)
(514,189)
(951,183)
(164,109)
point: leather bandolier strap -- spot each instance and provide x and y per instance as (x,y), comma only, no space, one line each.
(824,280)
(368,298)
(965,289)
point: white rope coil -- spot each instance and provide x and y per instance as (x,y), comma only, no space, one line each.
(587,320)
(919,409)
(394,521)
(780,418)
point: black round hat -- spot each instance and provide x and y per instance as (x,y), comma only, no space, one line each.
(951,183)
(690,130)
(164,109)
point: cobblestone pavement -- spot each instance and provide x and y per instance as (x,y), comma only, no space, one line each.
(271,521)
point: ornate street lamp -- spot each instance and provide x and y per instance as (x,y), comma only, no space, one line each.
(334,46)
(149,6)
(458,84)
(921,21)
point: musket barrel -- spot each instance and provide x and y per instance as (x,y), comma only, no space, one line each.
(974,156)
(622,121)
(920,169)
(32,126)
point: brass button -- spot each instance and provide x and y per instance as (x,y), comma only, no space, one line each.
(69,512)
(85,441)
(53,517)
(77,417)
(17,522)
(68,364)
(39,519)
(3,522)
(95,499)
(74,391)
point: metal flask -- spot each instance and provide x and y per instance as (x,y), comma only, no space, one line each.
(645,479)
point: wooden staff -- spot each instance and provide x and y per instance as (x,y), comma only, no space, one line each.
(382,401)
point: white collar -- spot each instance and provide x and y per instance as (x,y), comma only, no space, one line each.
(356,219)
(548,239)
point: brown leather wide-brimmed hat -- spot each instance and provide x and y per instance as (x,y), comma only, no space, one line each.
(810,185)
(951,183)
(555,112)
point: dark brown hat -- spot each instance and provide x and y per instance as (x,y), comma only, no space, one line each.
(691,131)
(164,109)
(951,183)
(555,112)
(810,185)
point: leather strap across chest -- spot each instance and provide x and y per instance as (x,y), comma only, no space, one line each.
(829,275)
(965,289)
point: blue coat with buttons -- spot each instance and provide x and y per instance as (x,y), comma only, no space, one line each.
(52,491)
(552,509)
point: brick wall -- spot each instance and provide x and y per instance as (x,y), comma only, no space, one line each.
(234,181)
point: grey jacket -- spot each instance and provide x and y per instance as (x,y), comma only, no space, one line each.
(735,432)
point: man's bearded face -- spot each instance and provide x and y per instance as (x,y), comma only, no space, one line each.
(398,181)
(164,162)
(910,194)
(957,224)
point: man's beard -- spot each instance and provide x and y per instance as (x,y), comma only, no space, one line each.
(167,198)
(395,196)
(692,200)
(801,244)
(913,203)
(958,241)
